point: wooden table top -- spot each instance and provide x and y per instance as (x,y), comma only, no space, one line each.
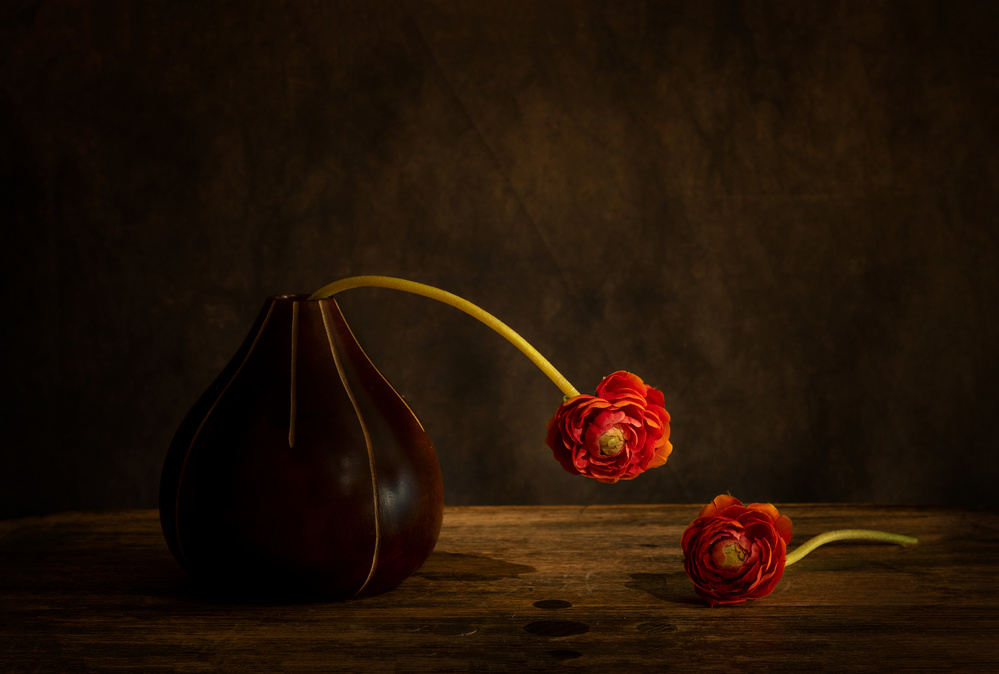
(515,588)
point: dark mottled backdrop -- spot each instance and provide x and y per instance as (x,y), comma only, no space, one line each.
(782,214)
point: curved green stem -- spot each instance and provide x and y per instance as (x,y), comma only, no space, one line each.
(846,535)
(458,303)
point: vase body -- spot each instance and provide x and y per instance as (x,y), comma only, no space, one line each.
(301,473)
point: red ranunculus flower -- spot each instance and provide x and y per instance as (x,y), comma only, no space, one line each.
(615,435)
(734,552)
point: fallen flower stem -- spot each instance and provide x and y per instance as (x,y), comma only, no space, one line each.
(846,535)
(458,303)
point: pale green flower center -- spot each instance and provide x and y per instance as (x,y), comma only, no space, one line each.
(612,442)
(731,555)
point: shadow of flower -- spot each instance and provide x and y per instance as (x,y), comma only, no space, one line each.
(456,566)
(673,587)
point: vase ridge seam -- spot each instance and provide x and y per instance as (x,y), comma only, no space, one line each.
(197,433)
(368,446)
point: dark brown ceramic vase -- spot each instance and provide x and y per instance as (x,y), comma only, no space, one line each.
(301,473)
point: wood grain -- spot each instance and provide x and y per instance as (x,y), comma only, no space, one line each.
(514,588)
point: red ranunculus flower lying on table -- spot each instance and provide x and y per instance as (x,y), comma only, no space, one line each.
(734,552)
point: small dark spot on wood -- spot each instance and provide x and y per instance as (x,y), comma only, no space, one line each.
(556,628)
(552,604)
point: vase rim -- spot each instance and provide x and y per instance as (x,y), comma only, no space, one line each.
(301,297)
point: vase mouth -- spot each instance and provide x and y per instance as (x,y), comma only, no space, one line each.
(294,298)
